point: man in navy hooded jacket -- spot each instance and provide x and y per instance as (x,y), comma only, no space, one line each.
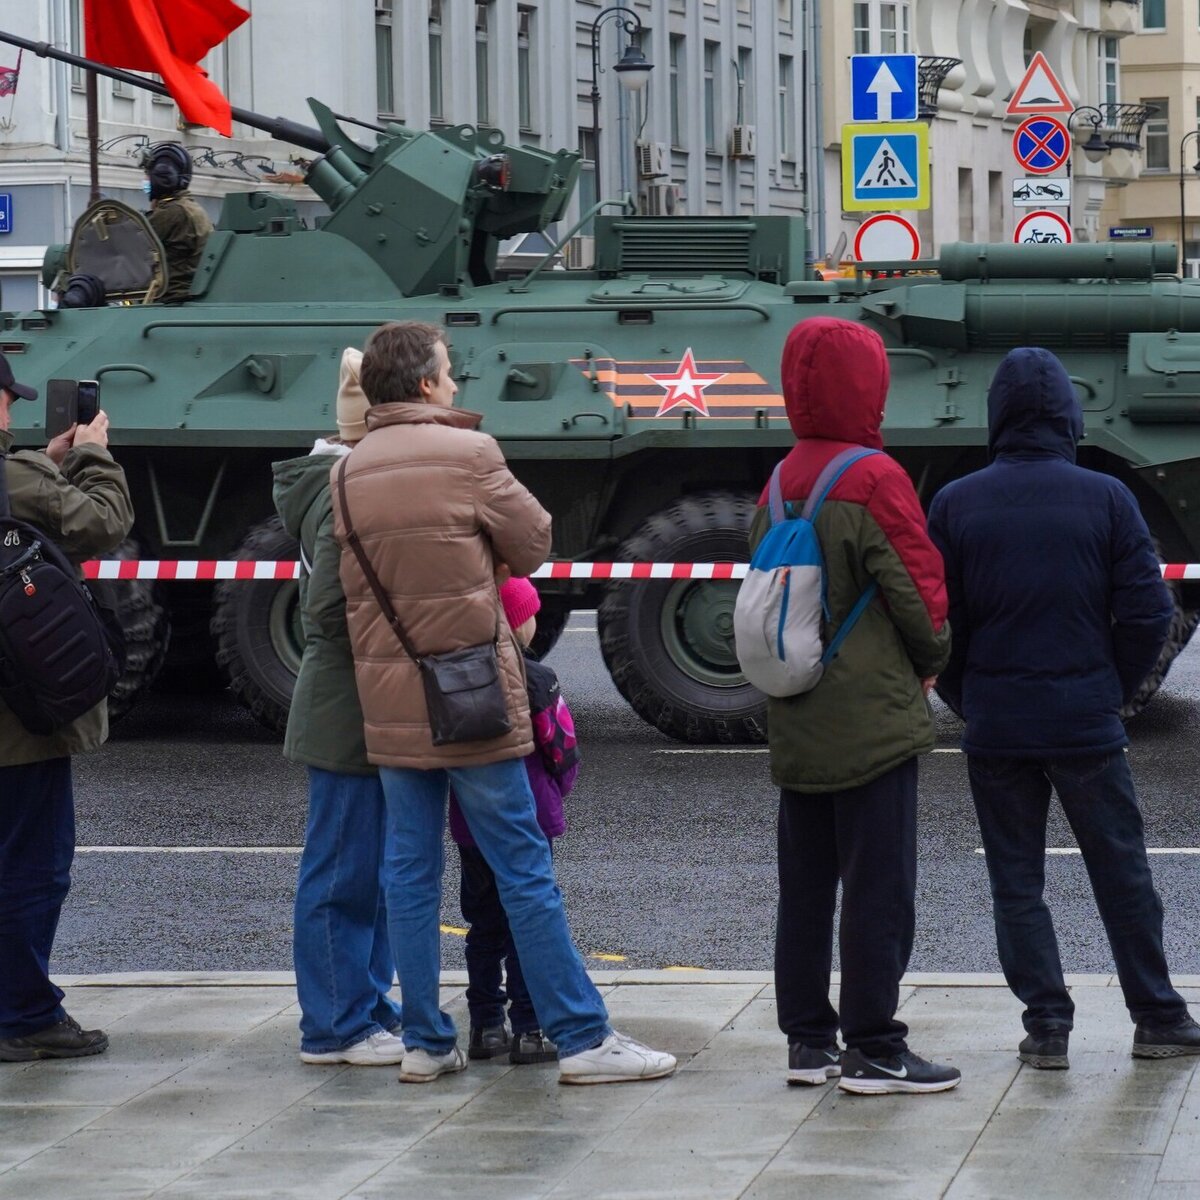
(1059,612)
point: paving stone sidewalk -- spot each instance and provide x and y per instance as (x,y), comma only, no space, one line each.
(203,1095)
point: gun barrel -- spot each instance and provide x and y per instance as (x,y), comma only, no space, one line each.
(279,128)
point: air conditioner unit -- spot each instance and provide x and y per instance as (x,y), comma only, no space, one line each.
(581,252)
(742,142)
(653,159)
(661,200)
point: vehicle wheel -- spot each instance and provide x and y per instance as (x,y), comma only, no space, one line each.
(146,626)
(551,621)
(669,646)
(256,625)
(1183,625)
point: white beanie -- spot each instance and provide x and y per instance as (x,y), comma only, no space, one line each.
(351,399)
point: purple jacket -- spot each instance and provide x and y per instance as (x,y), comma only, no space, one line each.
(554,763)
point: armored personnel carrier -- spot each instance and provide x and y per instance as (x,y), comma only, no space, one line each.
(639,400)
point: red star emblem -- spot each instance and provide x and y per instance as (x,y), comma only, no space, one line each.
(685,385)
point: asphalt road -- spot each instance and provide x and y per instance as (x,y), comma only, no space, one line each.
(668,860)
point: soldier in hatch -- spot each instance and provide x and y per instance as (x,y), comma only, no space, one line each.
(181,224)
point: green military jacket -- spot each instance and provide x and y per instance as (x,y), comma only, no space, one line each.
(85,508)
(867,714)
(183,228)
(325,723)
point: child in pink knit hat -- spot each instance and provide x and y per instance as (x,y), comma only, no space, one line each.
(490,953)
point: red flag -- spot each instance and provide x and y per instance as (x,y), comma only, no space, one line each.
(168,37)
(10,77)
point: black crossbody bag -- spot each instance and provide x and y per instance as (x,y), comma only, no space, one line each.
(464,694)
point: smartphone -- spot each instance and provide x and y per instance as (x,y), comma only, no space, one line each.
(70,402)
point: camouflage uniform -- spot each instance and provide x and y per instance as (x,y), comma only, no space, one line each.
(183,228)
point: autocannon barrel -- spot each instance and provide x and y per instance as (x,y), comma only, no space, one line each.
(279,128)
(961,261)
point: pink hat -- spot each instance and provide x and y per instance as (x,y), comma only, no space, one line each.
(520,600)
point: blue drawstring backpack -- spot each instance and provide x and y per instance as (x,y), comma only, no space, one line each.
(783,599)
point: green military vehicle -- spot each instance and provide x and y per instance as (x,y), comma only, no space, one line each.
(639,400)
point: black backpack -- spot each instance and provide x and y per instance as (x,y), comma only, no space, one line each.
(60,654)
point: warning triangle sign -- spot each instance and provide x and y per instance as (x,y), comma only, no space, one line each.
(1039,92)
(885,170)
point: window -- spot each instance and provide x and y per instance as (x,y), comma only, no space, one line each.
(995,206)
(586,188)
(862,29)
(966,204)
(787,110)
(1154,14)
(482,98)
(676,55)
(1158,136)
(710,95)
(75,20)
(881,27)
(1110,65)
(745,89)
(785,11)
(436,108)
(385,87)
(745,7)
(524,37)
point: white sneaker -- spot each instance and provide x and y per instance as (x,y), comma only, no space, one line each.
(618,1059)
(419,1066)
(379,1050)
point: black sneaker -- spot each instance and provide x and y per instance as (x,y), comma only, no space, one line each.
(532,1047)
(904,1072)
(488,1041)
(64,1040)
(813,1064)
(1149,1041)
(1046,1052)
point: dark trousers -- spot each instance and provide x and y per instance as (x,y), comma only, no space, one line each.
(867,838)
(1012,799)
(37,843)
(494,975)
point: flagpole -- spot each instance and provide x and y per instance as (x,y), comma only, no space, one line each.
(93,136)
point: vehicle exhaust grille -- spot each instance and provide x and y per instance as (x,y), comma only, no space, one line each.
(666,250)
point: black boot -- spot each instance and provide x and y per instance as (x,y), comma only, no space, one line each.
(64,1040)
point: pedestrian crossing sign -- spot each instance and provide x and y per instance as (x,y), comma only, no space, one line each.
(885,165)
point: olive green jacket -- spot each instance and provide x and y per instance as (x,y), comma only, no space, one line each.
(86,510)
(867,713)
(325,723)
(183,228)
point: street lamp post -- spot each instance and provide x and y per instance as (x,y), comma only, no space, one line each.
(1183,141)
(633,70)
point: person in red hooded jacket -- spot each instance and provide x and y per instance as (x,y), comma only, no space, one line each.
(844,755)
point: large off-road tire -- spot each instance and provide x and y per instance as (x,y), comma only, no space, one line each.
(1183,625)
(256,626)
(146,626)
(669,646)
(551,621)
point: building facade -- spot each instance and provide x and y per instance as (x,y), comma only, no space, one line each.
(1161,67)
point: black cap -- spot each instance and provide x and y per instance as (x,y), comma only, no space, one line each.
(10,384)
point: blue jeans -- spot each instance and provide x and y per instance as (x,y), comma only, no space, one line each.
(340,941)
(1012,798)
(37,844)
(499,809)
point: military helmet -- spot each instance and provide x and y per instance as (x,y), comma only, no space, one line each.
(168,165)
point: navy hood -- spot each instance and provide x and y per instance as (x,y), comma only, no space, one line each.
(1032,407)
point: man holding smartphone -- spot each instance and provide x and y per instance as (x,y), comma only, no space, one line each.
(77,495)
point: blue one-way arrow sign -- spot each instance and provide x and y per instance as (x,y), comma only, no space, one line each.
(883,87)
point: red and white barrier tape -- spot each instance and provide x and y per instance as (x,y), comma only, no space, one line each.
(185,571)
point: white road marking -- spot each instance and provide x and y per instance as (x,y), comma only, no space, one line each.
(188,849)
(1149,850)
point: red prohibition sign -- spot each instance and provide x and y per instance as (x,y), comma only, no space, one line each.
(1041,144)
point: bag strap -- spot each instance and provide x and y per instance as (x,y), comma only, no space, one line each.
(775,496)
(381,597)
(833,470)
(860,607)
(5,510)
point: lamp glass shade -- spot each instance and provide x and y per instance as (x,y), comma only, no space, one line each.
(633,70)
(1095,148)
